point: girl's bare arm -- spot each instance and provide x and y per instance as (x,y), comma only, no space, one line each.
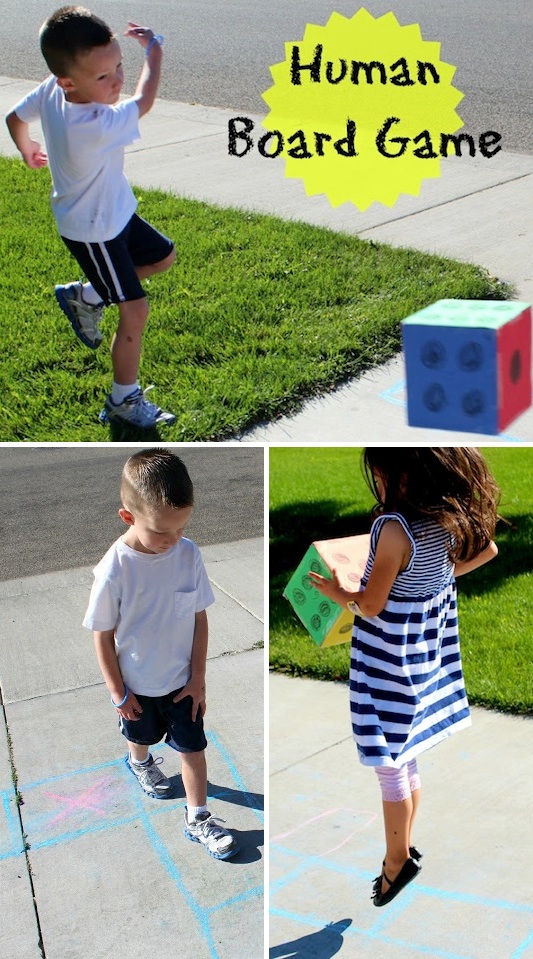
(392,555)
(485,557)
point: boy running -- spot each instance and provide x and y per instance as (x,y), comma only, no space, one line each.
(86,130)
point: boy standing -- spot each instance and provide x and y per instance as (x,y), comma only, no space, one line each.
(148,615)
(86,130)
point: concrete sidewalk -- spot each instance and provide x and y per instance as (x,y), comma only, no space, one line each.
(107,871)
(477,211)
(472,900)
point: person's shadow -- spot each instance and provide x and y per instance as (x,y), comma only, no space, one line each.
(125,433)
(324,944)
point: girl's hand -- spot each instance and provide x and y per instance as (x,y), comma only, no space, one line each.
(142,34)
(331,588)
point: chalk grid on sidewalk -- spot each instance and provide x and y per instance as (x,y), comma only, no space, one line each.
(66,809)
(411,926)
(472,899)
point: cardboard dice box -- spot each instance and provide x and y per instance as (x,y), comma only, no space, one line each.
(328,623)
(468,364)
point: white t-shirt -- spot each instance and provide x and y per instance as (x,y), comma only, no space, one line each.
(92,200)
(150,599)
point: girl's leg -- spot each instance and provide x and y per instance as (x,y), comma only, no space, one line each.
(414,786)
(398,809)
(397,817)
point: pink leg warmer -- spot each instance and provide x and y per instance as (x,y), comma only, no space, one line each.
(398,784)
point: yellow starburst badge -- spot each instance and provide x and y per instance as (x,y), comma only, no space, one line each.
(357,109)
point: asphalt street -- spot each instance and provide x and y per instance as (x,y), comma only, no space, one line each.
(60,503)
(219,54)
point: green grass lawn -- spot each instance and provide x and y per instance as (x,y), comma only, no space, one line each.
(320,494)
(256,315)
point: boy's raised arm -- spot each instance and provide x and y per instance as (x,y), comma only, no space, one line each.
(148,82)
(30,149)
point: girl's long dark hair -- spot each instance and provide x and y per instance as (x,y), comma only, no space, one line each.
(450,484)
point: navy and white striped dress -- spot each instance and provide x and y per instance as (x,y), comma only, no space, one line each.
(406,680)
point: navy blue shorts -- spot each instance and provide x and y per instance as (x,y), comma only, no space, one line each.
(161,717)
(110,266)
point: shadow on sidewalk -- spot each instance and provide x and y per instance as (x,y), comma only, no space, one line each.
(239,797)
(318,945)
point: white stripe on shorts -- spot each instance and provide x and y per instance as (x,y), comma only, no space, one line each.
(119,293)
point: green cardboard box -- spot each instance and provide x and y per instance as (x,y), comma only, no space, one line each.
(328,623)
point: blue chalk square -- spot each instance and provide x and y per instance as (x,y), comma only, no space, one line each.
(11,841)
(396,394)
(340,885)
(525,949)
(500,927)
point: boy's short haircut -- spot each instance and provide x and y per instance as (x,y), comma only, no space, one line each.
(69,32)
(155,478)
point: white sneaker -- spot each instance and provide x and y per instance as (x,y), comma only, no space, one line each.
(150,777)
(84,318)
(136,410)
(218,841)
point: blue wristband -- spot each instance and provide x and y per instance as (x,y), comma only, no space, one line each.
(126,694)
(157,38)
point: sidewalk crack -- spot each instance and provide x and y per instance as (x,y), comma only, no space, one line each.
(19,801)
(448,202)
(235,599)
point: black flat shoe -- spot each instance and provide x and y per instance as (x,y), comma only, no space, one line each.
(409,870)
(414,854)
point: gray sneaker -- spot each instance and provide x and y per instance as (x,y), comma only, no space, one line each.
(150,777)
(218,841)
(84,318)
(136,410)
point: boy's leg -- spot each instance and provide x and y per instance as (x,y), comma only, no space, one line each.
(203,827)
(127,402)
(194,775)
(143,272)
(133,314)
(187,737)
(126,344)
(138,753)
(112,271)
(150,729)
